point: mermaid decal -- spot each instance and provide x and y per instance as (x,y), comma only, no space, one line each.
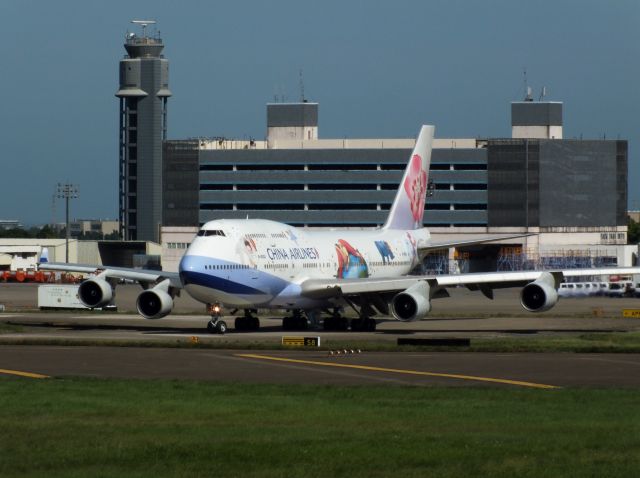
(351,264)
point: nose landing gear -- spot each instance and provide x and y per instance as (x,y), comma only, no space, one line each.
(215,325)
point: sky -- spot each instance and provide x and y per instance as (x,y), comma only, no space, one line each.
(378,69)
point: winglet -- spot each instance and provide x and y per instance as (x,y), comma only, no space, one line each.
(408,206)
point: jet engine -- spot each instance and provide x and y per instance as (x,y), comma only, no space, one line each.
(94,293)
(154,303)
(412,304)
(539,295)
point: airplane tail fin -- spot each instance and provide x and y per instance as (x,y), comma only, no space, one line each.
(407,209)
(44,255)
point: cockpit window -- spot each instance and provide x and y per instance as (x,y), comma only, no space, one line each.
(211,232)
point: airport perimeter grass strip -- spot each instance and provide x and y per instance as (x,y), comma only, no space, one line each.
(596,342)
(5,327)
(115,428)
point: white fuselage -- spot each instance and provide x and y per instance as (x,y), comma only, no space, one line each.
(261,263)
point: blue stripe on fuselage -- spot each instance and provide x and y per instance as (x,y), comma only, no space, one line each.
(193,271)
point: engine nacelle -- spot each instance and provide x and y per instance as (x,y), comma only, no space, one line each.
(154,304)
(94,293)
(539,295)
(412,304)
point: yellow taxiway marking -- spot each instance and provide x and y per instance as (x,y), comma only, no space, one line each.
(395,370)
(23,374)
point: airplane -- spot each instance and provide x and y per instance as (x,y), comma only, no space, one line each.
(256,264)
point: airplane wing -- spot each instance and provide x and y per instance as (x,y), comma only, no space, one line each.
(145,276)
(435,245)
(154,302)
(483,281)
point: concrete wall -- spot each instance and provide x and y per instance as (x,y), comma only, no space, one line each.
(174,243)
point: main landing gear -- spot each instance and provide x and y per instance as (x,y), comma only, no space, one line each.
(336,322)
(216,325)
(341,324)
(298,321)
(364,324)
(248,323)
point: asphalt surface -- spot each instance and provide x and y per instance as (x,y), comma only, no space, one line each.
(466,315)
(419,369)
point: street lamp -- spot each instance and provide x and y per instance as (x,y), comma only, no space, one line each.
(67,191)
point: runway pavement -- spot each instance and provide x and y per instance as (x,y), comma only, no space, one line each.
(466,315)
(540,371)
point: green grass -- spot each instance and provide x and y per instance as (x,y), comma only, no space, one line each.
(5,328)
(602,342)
(103,428)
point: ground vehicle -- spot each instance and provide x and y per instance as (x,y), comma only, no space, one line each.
(621,289)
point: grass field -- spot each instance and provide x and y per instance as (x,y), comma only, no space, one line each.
(104,428)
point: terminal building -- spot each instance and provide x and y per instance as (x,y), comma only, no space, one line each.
(570,194)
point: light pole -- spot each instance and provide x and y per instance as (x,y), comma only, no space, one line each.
(67,191)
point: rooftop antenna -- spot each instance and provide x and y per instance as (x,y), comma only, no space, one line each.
(543,93)
(53,208)
(144,24)
(527,89)
(302,87)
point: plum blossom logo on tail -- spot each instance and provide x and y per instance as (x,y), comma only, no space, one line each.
(415,185)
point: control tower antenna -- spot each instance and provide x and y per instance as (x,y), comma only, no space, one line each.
(144,24)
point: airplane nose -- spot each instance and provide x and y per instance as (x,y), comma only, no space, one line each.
(191,263)
(188,266)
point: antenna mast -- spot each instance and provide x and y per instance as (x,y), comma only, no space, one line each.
(302,87)
(144,24)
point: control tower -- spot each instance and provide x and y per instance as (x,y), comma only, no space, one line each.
(143,93)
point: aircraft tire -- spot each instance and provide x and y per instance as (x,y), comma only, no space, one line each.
(302,323)
(211,328)
(370,325)
(241,324)
(330,324)
(221,327)
(295,323)
(253,324)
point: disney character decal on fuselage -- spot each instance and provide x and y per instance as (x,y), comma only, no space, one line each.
(385,251)
(247,250)
(351,264)
(412,247)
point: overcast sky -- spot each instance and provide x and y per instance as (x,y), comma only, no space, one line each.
(377,68)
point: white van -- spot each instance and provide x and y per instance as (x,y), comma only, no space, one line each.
(622,288)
